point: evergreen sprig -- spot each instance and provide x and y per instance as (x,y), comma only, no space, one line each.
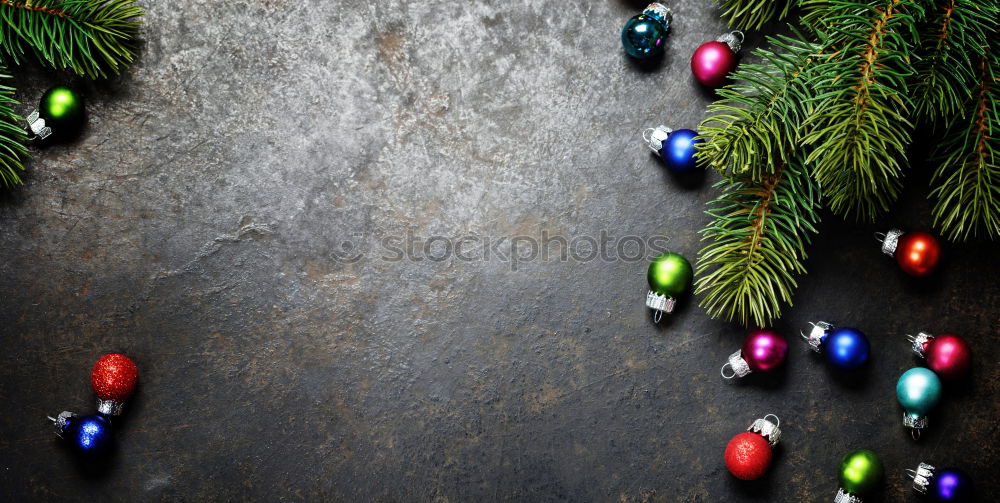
(12,136)
(966,190)
(952,41)
(753,14)
(94,38)
(860,129)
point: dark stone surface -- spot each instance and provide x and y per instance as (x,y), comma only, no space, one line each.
(195,225)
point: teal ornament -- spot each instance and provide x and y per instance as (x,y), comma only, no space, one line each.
(918,391)
(645,35)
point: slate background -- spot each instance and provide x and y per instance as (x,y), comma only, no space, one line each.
(195,226)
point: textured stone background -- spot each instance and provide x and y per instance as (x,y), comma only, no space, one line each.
(196,223)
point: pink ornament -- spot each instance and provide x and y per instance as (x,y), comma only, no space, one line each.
(712,62)
(763,350)
(949,356)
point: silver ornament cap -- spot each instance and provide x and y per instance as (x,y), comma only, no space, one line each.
(61,420)
(816,335)
(917,342)
(661,12)
(889,241)
(921,477)
(846,497)
(660,303)
(110,407)
(37,125)
(654,137)
(767,429)
(737,364)
(733,39)
(914,422)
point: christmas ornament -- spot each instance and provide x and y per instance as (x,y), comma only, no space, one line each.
(762,350)
(748,455)
(949,356)
(645,35)
(712,62)
(60,112)
(948,485)
(113,379)
(860,472)
(676,148)
(845,348)
(669,277)
(916,252)
(86,434)
(918,391)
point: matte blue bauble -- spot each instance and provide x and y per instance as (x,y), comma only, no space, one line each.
(846,348)
(679,149)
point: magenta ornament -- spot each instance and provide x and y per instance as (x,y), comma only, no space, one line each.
(712,62)
(762,350)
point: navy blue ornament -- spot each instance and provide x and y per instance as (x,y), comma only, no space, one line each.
(676,148)
(845,348)
(88,435)
(948,485)
(645,35)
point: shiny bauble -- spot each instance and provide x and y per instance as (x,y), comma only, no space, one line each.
(764,350)
(860,472)
(89,435)
(846,348)
(679,150)
(645,35)
(113,380)
(951,486)
(918,253)
(949,356)
(712,62)
(670,275)
(61,107)
(918,391)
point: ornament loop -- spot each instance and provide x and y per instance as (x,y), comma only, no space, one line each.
(733,39)
(777,422)
(767,429)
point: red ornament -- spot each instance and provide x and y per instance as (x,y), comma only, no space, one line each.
(712,62)
(916,252)
(949,356)
(113,379)
(748,454)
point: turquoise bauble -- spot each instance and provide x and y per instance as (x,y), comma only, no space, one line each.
(645,35)
(918,391)
(670,275)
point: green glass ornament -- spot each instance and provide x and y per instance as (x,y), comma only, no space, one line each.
(918,391)
(60,111)
(860,471)
(669,277)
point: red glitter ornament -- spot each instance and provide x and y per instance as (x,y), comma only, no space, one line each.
(748,454)
(113,379)
(917,253)
(712,62)
(949,356)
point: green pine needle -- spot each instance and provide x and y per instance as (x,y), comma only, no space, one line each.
(90,37)
(12,136)
(753,14)
(966,190)
(757,244)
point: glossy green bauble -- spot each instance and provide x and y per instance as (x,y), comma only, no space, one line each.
(670,275)
(918,391)
(61,107)
(860,471)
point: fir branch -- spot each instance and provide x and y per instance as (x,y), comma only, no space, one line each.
(950,44)
(12,136)
(759,117)
(860,128)
(90,37)
(967,192)
(757,244)
(753,14)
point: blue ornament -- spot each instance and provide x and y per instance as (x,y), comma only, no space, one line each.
(918,391)
(845,348)
(676,148)
(86,434)
(948,485)
(645,35)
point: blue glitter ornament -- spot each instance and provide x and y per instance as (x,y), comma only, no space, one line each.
(676,148)
(845,348)
(86,434)
(645,35)
(948,485)
(918,391)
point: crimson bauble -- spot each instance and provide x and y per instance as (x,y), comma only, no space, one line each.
(113,379)
(748,455)
(917,253)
